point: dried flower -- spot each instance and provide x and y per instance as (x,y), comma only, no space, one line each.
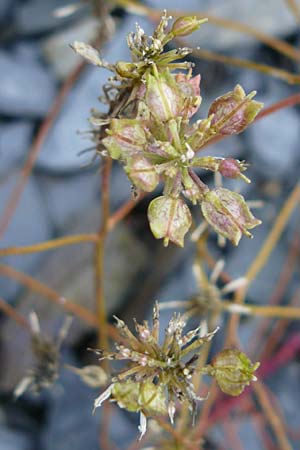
(93,376)
(47,358)
(158,375)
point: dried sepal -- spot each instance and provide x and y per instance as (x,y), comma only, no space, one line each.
(89,53)
(233,371)
(228,213)
(93,376)
(170,219)
(46,353)
(233,112)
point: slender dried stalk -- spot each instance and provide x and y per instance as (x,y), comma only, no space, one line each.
(49,245)
(123,211)
(275,312)
(294,7)
(263,256)
(247,64)
(13,314)
(99,256)
(49,293)
(272,416)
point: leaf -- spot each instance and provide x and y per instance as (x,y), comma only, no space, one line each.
(170,219)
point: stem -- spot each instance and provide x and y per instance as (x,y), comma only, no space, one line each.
(13,314)
(263,256)
(123,211)
(275,312)
(281,74)
(45,291)
(49,245)
(272,416)
(274,235)
(99,256)
(294,8)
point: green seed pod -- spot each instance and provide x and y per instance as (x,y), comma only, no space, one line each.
(186,25)
(233,371)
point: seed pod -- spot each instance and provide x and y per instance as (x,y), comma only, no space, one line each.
(234,111)
(228,213)
(170,219)
(233,371)
(186,25)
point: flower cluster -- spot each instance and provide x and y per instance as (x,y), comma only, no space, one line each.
(158,375)
(148,129)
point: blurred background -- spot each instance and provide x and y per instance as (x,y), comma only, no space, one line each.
(45,98)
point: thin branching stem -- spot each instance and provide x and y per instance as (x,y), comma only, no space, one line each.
(99,255)
(49,245)
(262,257)
(13,314)
(275,312)
(272,416)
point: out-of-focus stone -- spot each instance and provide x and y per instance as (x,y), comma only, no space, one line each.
(274,145)
(14,142)
(56,47)
(14,440)
(38,16)
(66,196)
(26,87)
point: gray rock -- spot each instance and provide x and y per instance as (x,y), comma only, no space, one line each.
(14,440)
(36,16)
(28,226)
(65,197)
(274,145)
(26,50)
(60,151)
(70,422)
(5,6)
(15,139)
(26,87)
(56,46)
